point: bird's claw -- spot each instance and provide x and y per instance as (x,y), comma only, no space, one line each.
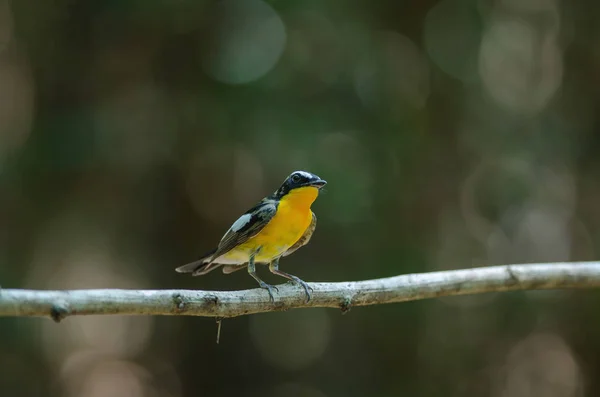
(269,289)
(307,288)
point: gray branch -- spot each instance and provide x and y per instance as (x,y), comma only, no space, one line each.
(343,295)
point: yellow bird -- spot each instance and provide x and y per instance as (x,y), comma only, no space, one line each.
(277,226)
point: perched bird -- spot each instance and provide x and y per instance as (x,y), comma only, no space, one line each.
(277,226)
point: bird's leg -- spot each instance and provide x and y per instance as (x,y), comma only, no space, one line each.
(252,272)
(274,268)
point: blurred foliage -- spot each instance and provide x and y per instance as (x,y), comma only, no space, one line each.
(453,133)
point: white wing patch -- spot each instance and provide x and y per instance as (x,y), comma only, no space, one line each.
(241,222)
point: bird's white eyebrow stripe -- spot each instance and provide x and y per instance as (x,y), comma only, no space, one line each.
(241,222)
(304,174)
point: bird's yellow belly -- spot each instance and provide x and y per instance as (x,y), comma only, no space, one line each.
(286,227)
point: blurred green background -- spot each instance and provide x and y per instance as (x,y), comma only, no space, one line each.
(453,134)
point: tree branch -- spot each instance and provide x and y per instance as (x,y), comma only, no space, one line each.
(342,295)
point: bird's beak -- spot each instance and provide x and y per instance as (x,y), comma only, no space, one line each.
(318,183)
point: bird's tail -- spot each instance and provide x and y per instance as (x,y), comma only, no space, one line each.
(200,266)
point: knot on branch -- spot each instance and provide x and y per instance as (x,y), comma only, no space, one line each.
(346,305)
(179,302)
(514,278)
(212,299)
(58,312)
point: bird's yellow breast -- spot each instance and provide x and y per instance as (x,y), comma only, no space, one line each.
(285,228)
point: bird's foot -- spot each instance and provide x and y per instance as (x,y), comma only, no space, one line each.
(307,288)
(270,289)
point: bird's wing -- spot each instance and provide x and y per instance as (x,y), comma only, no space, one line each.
(305,237)
(247,226)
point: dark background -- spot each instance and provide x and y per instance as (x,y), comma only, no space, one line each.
(453,134)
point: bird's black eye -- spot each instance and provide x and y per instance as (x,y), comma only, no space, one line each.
(296,178)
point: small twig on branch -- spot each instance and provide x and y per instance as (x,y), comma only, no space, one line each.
(343,295)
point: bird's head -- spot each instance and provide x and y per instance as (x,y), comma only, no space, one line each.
(299,179)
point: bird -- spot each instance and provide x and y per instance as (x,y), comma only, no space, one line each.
(277,226)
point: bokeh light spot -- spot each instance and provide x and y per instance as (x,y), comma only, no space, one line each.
(246,39)
(520,64)
(16,102)
(540,365)
(115,379)
(72,254)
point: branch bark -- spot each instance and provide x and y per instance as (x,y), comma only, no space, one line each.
(342,295)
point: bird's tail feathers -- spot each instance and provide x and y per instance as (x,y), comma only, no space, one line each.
(200,266)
